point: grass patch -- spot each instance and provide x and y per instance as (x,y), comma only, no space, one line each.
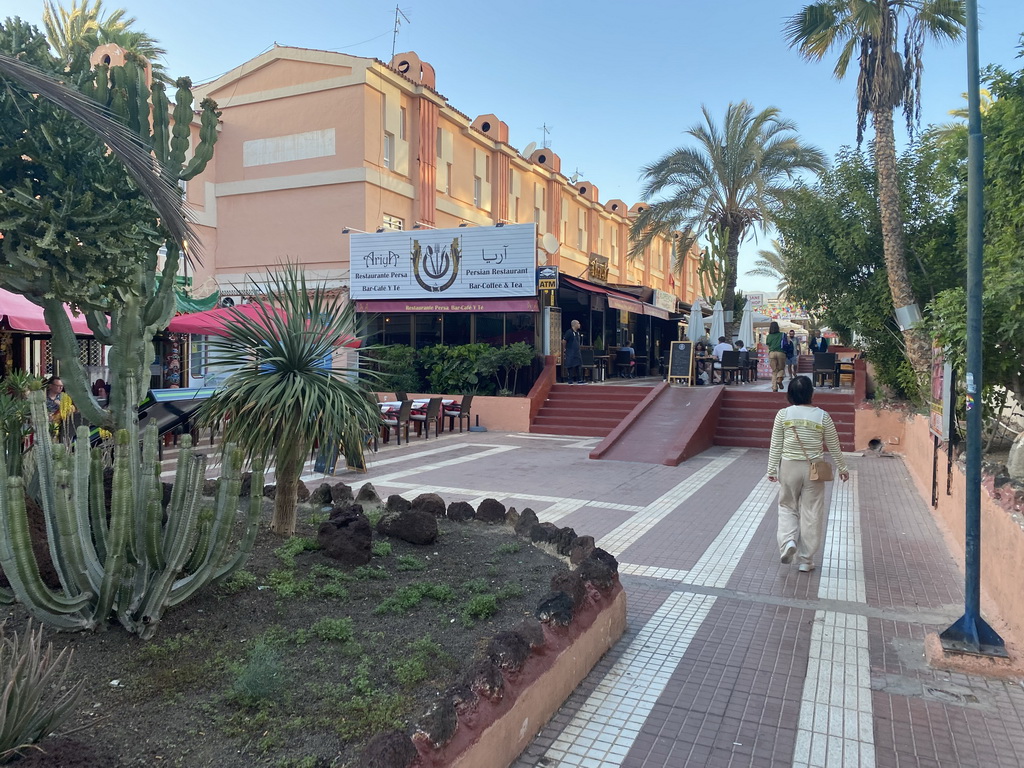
(297,544)
(370,573)
(286,585)
(334,630)
(411,563)
(410,597)
(509,549)
(476,586)
(380,548)
(239,581)
(423,659)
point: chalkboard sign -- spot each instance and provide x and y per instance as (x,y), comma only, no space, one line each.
(680,362)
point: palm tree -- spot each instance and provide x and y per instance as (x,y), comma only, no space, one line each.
(286,394)
(870,29)
(771,264)
(734,179)
(79,30)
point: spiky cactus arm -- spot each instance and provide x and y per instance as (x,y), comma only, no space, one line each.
(252,527)
(120,526)
(22,571)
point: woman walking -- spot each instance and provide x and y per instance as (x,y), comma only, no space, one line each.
(776,357)
(796,442)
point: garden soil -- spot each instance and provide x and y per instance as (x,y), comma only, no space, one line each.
(265,671)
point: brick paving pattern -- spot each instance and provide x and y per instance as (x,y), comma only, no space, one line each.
(730,658)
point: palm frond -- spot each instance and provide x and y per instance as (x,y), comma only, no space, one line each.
(159,188)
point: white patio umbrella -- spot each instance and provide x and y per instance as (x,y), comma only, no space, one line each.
(746,332)
(717,323)
(695,329)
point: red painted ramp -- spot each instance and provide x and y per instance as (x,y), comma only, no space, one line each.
(672,424)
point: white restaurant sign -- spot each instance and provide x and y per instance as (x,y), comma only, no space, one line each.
(461,263)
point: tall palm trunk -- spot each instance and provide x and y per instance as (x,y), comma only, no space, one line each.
(893,243)
(733,233)
(288,470)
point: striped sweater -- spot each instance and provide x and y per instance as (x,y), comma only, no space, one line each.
(812,426)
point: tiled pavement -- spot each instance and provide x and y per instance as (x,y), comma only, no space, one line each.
(730,658)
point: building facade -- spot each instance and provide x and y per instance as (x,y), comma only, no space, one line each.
(317,145)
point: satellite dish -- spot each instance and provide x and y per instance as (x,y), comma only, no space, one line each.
(530,148)
(549,242)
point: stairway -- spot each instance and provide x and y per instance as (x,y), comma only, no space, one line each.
(746,417)
(586,410)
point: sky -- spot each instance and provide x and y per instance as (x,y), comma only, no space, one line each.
(617,85)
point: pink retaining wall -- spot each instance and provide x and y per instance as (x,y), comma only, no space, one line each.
(1002,533)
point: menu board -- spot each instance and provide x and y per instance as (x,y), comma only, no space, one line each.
(680,362)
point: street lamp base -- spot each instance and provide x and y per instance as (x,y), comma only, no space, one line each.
(971,635)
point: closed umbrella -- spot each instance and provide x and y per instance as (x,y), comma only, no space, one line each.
(696,327)
(717,322)
(747,327)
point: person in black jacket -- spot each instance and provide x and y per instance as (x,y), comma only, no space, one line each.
(572,358)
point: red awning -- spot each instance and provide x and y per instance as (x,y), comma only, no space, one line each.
(616,300)
(22,315)
(448,305)
(214,322)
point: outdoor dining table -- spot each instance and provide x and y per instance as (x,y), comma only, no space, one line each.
(418,404)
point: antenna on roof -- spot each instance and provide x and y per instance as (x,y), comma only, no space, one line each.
(398,23)
(547,130)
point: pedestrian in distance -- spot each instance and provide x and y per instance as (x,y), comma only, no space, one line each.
(797,436)
(776,355)
(792,350)
(817,344)
(572,357)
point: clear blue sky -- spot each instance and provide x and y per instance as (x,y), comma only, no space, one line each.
(617,84)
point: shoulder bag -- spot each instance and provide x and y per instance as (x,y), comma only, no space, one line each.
(819,470)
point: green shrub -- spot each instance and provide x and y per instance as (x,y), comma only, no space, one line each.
(261,678)
(478,608)
(422,660)
(454,369)
(477,585)
(380,548)
(35,700)
(509,549)
(503,364)
(396,364)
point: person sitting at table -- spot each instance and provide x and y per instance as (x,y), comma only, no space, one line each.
(744,359)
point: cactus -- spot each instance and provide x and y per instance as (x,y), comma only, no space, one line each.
(134,562)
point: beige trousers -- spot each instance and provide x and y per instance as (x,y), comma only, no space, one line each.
(777,361)
(801,509)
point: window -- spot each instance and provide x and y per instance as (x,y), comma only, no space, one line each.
(487,168)
(439,142)
(477,186)
(393,222)
(402,113)
(389,150)
(536,216)
(579,238)
(448,181)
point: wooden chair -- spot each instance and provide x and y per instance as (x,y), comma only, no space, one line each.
(432,414)
(401,396)
(459,411)
(730,365)
(398,420)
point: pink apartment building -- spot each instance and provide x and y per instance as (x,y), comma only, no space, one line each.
(316,146)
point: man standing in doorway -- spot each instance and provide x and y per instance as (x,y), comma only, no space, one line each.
(572,358)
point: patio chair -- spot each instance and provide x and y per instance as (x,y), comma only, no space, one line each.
(825,368)
(730,365)
(401,396)
(395,421)
(589,362)
(624,364)
(459,411)
(432,414)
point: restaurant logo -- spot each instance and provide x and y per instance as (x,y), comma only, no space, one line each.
(598,268)
(435,269)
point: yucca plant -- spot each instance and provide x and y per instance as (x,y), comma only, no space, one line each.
(288,392)
(34,699)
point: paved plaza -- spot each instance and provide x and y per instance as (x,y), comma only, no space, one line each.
(730,658)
